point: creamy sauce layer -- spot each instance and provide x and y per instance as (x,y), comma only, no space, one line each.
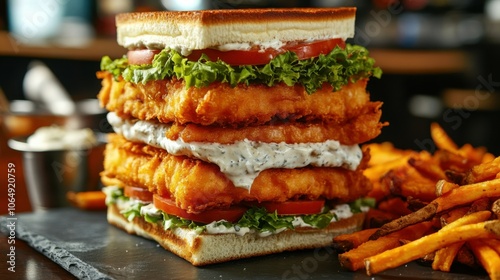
(275,44)
(57,137)
(241,161)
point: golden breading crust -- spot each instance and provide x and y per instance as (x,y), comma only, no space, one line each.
(195,185)
(359,129)
(170,101)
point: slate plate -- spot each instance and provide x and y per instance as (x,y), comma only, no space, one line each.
(88,247)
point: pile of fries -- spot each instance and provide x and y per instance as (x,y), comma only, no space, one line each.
(441,207)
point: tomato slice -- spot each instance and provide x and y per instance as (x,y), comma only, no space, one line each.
(255,56)
(250,57)
(294,207)
(139,57)
(168,206)
(314,49)
(138,193)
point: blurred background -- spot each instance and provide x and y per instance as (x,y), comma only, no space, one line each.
(440,59)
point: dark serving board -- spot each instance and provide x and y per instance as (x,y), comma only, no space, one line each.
(88,247)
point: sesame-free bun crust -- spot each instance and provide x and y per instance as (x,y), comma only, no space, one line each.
(187,30)
(204,249)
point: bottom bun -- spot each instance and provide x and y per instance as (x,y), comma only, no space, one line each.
(203,249)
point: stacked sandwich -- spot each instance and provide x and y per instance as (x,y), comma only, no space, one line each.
(237,131)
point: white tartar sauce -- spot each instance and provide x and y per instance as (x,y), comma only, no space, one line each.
(58,138)
(274,44)
(241,161)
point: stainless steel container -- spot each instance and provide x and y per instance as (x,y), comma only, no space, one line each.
(51,174)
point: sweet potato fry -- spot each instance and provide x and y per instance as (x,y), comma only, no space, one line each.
(487,256)
(455,176)
(493,243)
(346,242)
(481,204)
(482,172)
(90,200)
(428,168)
(453,215)
(415,204)
(376,172)
(443,186)
(475,154)
(375,218)
(353,259)
(394,205)
(452,161)
(421,215)
(441,138)
(398,256)
(416,188)
(466,257)
(385,153)
(407,181)
(467,194)
(444,257)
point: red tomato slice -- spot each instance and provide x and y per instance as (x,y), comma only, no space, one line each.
(313,49)
(168,206)
(138,193)
(295,207)
(251,57)
(139,57)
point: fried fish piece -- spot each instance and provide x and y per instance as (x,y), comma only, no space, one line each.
(195,185)
(359,129)
(170,101)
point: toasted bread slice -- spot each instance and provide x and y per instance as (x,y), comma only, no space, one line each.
(203,249)
(186,31)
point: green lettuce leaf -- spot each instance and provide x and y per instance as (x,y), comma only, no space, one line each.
(260,220)
(319,220)
(358,204)
(337,68)
(172,221)
(132,212)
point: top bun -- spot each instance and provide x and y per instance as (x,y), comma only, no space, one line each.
(196,30)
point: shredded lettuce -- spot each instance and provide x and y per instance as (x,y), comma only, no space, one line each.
(133,211)
(360,203)
(259,219)
(321,220)
(337,68)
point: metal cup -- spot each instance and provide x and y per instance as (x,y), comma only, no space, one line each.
(51,174)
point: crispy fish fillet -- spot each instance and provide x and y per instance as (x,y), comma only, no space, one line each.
(169,101)
(359,129)
(195,185)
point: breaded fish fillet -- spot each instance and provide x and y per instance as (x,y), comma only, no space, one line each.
(359,129)
(195,185)
(170,101)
